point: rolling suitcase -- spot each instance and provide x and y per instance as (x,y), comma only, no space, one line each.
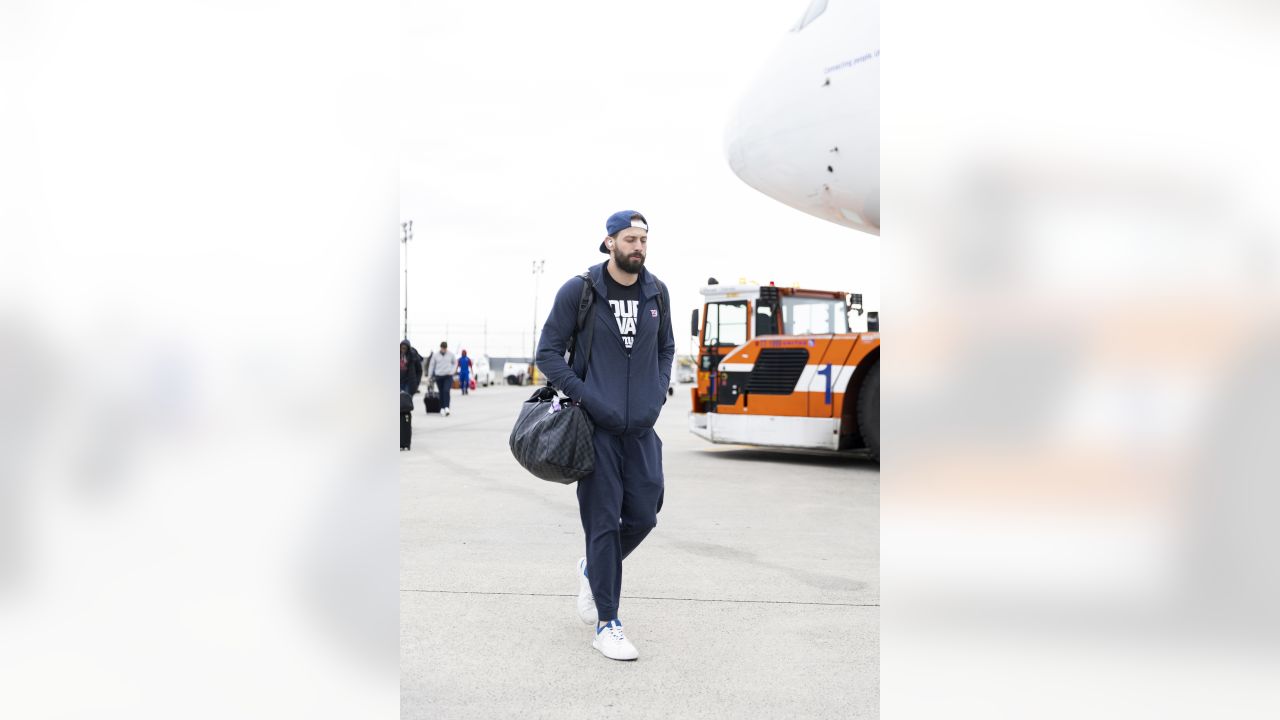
(406,420)
(431,401)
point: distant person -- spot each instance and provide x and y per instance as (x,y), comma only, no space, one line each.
(464,371)
(410,368)
(441,368)
(622,387)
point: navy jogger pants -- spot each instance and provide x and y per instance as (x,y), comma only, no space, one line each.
(619,503)
(444,383)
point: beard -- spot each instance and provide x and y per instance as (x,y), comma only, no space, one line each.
(626,263)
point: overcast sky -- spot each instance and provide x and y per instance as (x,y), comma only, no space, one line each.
(525,125)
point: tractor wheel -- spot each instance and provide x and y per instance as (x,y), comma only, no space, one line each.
(869,410)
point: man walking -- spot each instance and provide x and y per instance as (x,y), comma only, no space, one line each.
(621,381)
(440,369)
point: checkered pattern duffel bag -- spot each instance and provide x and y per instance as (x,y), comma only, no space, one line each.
(552,438)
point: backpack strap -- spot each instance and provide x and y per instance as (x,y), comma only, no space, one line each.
(662,310)
(585,303)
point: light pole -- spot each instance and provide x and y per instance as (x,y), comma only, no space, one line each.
(406,234)
(533,357)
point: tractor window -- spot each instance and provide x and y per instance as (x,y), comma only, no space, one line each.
(726,324)
(766,324)
(814,316)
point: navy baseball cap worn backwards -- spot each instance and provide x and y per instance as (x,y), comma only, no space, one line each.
(622,220)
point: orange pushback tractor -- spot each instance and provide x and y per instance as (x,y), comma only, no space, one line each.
(787,367)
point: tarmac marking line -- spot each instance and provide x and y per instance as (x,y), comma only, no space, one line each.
(646,597)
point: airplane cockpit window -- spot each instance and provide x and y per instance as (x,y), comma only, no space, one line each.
(816,8)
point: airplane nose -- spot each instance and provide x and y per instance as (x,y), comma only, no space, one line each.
(807,131)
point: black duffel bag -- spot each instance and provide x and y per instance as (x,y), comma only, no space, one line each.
(552,435)
(552,438)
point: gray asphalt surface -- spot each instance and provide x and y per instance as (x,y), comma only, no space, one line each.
(757,596)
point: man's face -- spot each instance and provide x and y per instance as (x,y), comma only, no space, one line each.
(443,348)
(629,249)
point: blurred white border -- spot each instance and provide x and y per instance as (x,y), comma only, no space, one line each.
(1081,303)
(198,240)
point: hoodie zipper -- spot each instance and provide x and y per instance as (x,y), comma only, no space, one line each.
(626,423)
(626,416)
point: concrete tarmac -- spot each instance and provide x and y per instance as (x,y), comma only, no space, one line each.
(757,596)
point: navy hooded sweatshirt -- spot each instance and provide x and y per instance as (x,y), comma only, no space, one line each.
(623,393)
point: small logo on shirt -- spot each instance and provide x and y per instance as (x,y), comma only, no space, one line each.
(653,312)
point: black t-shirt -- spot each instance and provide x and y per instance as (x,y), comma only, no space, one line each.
(624,300)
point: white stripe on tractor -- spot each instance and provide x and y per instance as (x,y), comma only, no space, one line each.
(811,381)
(843,378)
(736,367)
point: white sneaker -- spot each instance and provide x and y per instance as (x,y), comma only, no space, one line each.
(446,412)
(611,641)
(586,601)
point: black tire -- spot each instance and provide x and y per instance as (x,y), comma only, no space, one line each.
(869,410)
